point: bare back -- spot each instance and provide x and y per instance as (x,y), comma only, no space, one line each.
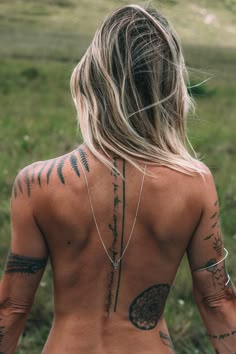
(98,309)
(116,308)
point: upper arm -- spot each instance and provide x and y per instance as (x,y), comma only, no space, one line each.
(206,249)
(28,252)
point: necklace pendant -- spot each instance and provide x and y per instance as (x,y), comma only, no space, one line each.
(115,265)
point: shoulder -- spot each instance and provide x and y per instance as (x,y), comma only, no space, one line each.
(183,189)
(58,171)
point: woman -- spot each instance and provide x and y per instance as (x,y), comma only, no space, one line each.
(116,215)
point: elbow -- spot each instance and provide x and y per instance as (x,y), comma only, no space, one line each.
(217,301)
(10,306)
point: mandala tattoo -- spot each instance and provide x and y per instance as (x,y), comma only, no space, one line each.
(147,308)
(23,264)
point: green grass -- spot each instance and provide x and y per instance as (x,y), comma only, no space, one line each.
(40,44)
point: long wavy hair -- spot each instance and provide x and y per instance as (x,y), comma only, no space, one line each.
(130,91)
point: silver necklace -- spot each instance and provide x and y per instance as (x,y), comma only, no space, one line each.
(115,263)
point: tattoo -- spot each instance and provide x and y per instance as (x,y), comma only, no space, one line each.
(33,172)
(218,273)
(27,181)
(214,225)
(19,184)
(214,215)
(113,228)
(208,237)
(166,340)
(24,264)
(114,170)
(40,172)
(109,296)
(218,245)
(28,176)
(222,336)
(59,169)
(122,233)
(49,172)
(83,157)
(1,334)
(74,164)
(147,308)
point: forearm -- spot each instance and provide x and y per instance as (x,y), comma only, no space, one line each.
(11,327)
(219,317)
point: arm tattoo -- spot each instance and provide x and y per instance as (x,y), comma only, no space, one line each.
(147,308)
(218,273)
(215,219)
(24,264)
(208,237)
(218,245)
(223,335)
(166,340)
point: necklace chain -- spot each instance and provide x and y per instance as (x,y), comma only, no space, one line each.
(115,263)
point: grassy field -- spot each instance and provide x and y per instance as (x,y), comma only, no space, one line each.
(40,43)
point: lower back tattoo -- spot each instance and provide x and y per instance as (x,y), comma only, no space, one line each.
(147,308)
(24,264)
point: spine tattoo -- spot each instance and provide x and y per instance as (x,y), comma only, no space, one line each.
(29,175)
(113,228)
(122,236)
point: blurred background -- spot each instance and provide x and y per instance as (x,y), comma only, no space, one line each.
(41,41)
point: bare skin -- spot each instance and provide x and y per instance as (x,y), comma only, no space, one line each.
(99,310)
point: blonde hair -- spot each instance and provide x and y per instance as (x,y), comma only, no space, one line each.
(130,91)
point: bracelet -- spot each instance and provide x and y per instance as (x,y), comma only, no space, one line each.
(215,264)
